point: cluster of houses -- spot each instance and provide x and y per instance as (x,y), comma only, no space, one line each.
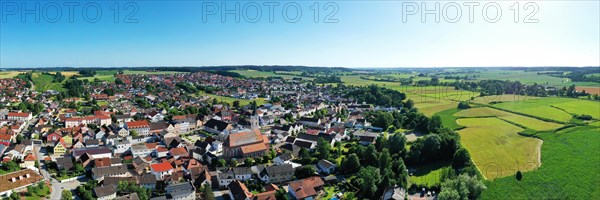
(151,147)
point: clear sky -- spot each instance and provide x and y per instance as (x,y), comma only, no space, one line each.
(366,34)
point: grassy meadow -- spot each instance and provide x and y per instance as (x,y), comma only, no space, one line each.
(496,148)
(43,82)
(266,74)
(554,108)
(521,120)
(569,169)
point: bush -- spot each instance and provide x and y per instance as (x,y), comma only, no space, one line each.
(519,176)
(463,105)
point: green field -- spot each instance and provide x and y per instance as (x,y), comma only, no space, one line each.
(591,108)
(448,118)
(521,120)
(569,169)
(554,108)
(266,74)
(503,98)
(43,82)
(109,75)
(230,100)
(496,148)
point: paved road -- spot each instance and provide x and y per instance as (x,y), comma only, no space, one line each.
(57,187)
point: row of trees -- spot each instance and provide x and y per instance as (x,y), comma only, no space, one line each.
(374,94)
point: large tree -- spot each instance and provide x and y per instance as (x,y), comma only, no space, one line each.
(351,164)
(463,187)
(367,180)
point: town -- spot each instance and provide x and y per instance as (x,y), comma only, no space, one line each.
(203,136)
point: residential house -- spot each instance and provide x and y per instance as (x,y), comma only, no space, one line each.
(107,192)
(160,170)
(326,166)
(306,189)
(181,191)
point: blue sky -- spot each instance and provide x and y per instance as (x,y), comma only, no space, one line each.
(366,34)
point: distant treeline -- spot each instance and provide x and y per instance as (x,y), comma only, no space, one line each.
(204,68)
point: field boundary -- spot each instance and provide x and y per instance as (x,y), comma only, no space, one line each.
(523,114)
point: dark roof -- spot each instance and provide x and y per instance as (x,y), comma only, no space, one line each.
(280,169)
(65,162)
(306,119)
(116,180)
(92,142)
(120,169)
(147,179)
(158,126)
(239,191)
(220,125)
(201,144)
(303,144)
(132,196)
(315,138)
(179,190)
(105,191)
(92,151)
(290,139)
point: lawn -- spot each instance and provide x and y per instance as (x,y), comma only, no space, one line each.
(496,148)
(528,122)
(429,175)
(569,170)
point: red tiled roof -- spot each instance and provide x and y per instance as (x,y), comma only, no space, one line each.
(23,114)
(135,124)
(30,157)
(161,167)
(306,187)
(179,151)
(253,148)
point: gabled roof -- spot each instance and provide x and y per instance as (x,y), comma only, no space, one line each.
(105,191)
(239,191)
(220,125)
(306,187)
(161,167)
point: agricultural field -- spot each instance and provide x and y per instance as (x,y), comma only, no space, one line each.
(589,90)
(526,77)
(448,118)
(553,108)
(43,82)
(109,75)
(585,107)
(521,120)
(265,74)
(502,98)
(569,169)
(9,74)
(230,100)
(496,148)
